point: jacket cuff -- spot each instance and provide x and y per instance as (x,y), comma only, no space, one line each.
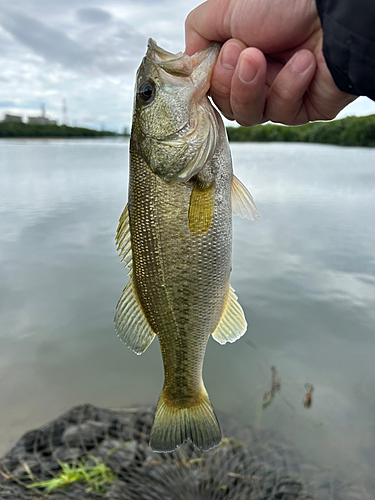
(349,56)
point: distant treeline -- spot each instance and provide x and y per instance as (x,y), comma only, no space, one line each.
(16,129)
(351,131)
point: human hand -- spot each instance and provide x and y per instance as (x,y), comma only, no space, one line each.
(271,66)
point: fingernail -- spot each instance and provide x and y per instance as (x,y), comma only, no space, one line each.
(230,54)
(247,70)
(301,62)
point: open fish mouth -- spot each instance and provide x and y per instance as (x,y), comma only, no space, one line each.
(198,67)
(180,64)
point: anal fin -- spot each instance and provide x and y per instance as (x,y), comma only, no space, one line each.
(232,324)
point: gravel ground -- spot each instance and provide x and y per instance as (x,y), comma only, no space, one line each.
(248,465)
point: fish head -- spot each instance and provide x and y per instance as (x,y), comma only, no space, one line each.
(174,124)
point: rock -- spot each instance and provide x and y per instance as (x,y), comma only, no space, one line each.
(116,454)
(64,454)
(87,435)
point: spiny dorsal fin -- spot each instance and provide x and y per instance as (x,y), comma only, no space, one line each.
(131,324)
(232,324)
(242,202)
(123,239)
(201,210)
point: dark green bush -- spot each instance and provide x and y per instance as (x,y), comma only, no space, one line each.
(350,131)
(15,129)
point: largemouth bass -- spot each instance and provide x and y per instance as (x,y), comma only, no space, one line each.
(175,235)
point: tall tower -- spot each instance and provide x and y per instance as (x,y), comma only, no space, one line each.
(64,111)
(43,109)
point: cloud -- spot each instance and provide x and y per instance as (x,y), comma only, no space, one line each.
(361,106)
(112,48)
(93,16)
(50,43)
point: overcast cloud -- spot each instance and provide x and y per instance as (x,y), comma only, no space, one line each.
(86,51)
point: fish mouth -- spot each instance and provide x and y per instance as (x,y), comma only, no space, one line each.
(198,67)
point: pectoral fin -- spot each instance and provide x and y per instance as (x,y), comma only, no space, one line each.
(201,210)
(232,324)
(242,202)
(131,324)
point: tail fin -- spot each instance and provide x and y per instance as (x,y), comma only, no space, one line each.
(173,426)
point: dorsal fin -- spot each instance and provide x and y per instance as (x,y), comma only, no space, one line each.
(232,324)
(131,324)
(242,202)
(123,241)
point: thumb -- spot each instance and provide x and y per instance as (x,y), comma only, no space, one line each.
(205,24)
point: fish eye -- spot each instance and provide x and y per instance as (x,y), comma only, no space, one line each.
(146,91)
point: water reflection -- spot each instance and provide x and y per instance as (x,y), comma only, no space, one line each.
(304,274)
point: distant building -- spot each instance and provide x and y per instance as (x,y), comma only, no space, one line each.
(13,118)
(40,120)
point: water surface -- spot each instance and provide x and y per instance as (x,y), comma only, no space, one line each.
(304,274)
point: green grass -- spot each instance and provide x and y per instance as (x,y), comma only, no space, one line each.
(95,476)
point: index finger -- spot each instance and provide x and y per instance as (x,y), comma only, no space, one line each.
(203,25)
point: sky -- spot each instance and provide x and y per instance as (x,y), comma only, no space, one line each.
(87,52)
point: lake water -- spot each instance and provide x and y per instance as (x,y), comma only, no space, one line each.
(304,274)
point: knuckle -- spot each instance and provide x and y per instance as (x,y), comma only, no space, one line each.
(281,115)
(229,116)
(247,117)
(282,106)
(219,90)
(248,112)
(283,94)
(246,121)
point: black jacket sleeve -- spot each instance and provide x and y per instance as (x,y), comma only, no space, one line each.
(349,43)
